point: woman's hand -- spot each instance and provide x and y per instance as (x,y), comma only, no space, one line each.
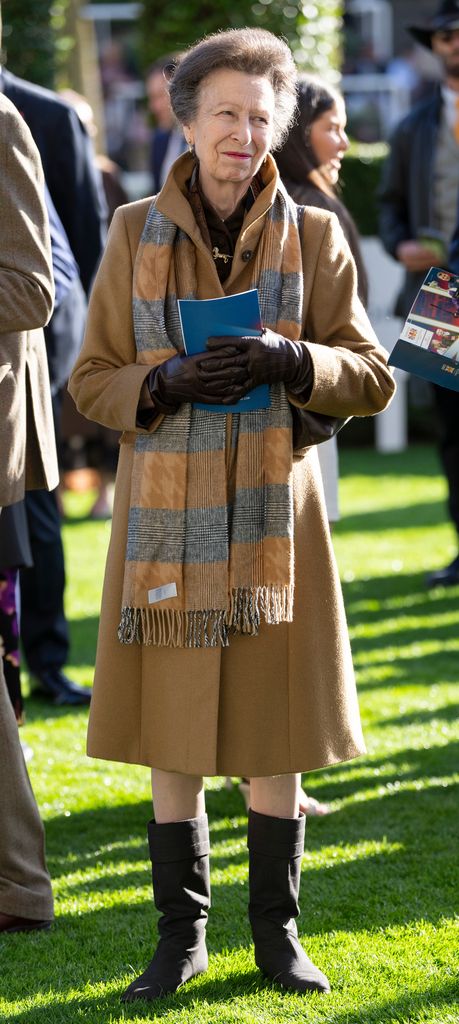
(213,378)
(270,359)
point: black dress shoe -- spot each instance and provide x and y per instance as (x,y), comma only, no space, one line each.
(10,923)
(446,577)
(52,683)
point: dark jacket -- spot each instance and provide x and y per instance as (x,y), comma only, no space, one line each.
(406,190)
(453,260)
(308,194)
(64,333)
(68,163)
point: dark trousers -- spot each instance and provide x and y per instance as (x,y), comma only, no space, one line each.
(447,407)
(44,628)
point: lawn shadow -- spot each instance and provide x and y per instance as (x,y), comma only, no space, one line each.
(246,985)
(419,460)
(405,1007)
(448,713)
(407,765)
(415,829)
(420,516)
(377,592)
(410,879)
(368,602)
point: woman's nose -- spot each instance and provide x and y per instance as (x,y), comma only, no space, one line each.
(242,131)
(344,140)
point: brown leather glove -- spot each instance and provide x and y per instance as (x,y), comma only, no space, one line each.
(271,359)
(212,378)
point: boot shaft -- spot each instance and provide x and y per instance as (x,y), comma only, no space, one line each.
(179,854)
(275,852)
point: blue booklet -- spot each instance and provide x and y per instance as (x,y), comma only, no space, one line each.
(429,343)
(230,315)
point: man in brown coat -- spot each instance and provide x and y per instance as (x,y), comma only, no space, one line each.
(28,460)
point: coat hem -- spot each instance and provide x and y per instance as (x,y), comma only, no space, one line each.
(236,770)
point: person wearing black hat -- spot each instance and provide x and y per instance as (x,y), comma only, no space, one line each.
(418,213)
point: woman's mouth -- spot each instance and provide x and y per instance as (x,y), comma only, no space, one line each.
(238,156)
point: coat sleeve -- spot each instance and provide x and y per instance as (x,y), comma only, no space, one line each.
(106,381)
(26,278)
(351,376)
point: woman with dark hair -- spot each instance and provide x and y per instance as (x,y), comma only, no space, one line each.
(309,161)
(223,647)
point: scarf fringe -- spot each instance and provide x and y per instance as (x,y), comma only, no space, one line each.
(165,627)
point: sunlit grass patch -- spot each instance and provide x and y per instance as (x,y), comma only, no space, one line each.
(379,892)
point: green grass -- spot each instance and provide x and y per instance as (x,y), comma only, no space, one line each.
(380,873)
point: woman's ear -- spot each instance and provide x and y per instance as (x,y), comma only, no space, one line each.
(188,137)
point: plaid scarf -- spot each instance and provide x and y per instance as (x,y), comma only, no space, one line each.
(207,555)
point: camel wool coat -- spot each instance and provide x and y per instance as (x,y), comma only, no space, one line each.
(284,701)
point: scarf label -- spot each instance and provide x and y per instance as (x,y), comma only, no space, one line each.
(161,593)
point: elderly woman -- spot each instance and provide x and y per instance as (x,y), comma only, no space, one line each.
(223,647)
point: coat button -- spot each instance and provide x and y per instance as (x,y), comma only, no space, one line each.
(247,255)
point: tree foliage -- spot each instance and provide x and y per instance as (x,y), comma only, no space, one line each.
(37,41)
(28,41)
(311,27)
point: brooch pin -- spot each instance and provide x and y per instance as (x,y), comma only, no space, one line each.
(220,255)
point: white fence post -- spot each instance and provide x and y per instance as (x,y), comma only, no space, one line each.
(385,279)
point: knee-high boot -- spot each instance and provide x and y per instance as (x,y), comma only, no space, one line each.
(181,888)
(275,851)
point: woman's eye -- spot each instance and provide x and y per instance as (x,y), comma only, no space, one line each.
(260,120)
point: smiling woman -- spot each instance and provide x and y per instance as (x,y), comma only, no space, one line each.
(231,139)
(223,647)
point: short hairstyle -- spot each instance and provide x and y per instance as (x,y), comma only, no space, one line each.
(253,51)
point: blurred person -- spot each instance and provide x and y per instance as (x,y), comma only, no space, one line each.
(15,554)
(204,665)
(28,457)
(418,198)
(167,139)
(100,444)
(309,164)
(15,549)
(110,172)
(76,196)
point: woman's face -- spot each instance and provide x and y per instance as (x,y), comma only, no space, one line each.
(233,128)
(329,141)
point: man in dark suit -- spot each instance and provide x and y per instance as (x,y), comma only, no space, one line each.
(167,139)
(76,194)
(418,200)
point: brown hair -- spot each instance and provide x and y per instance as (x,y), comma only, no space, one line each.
(253,51)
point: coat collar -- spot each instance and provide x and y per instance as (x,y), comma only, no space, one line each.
(172,201)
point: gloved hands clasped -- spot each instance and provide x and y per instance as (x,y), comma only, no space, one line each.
(230,368)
